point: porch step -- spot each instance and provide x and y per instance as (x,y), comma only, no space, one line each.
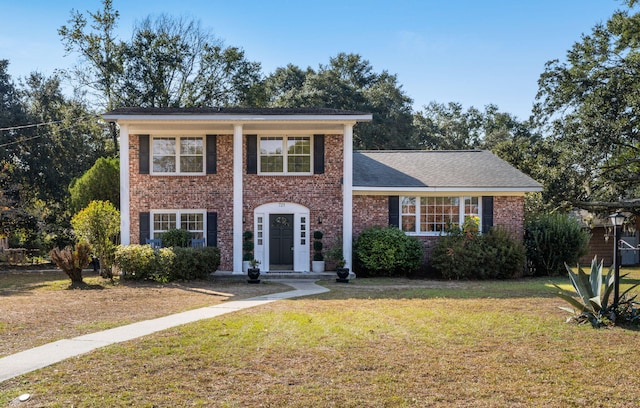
(276,275)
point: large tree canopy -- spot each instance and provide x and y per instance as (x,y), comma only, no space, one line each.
(348,82)
(588,105)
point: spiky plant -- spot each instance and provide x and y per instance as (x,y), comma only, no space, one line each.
(72,260)
(593,304)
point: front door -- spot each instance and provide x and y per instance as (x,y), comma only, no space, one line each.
(280,242)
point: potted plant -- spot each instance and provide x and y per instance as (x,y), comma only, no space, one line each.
(342,272)
(317,265)
(247,248)
(254,271)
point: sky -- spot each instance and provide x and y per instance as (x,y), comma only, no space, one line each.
(471,52)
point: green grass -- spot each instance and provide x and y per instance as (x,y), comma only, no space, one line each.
(369,343)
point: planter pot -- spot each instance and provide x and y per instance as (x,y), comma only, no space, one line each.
(253,274)
(343,275)
(317,266)
(245,266)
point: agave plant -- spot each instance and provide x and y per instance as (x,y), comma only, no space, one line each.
(593,303)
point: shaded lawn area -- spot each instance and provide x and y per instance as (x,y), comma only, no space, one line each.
(369,343)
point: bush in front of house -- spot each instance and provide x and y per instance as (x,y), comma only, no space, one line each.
(176,238)
(141,262)
(553,240)
(468,255)
(387,252)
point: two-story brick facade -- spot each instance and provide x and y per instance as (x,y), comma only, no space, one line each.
(284,173)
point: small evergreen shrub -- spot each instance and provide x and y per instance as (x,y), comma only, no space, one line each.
(467,255)
(136,262)
(141,262)
(552,240)
(72,260)
(317,246)
(387,252)
(176,238)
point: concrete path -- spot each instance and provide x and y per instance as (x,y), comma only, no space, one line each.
(39,357)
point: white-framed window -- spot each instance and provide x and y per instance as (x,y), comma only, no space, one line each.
(433,215)
(285,155)
(191,220)
(177,155)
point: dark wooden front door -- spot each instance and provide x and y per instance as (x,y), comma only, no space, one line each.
(280,242)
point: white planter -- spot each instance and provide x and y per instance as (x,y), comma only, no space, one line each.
(317,266)
(245,266)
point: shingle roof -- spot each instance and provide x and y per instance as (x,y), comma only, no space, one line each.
(438,169)
(230,111)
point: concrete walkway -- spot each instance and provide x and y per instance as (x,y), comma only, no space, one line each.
(51,353)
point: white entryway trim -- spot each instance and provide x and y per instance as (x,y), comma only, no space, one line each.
(301,234)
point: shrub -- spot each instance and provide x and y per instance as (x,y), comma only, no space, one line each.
(99,225)
(495,255)
(317,246)
(552,240)
(141,262)
(72,260)
(387,252)
(136,262)
(176,238)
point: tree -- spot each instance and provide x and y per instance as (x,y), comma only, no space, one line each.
(99,225)
(174,62)
(448,127)
(587,106)
(100,53)
(100,182)
(349,83)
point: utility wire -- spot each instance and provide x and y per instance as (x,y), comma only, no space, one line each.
(37,125)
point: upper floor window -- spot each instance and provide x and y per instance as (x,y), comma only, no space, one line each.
(178,155)
(285,154)
(434,215)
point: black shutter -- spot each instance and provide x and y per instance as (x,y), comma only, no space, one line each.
(212,153)
(252,154)
(318,154)
(143,154)
(145,227)
(394,211)
(212,229)
(487,213)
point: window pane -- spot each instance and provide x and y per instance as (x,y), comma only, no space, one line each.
(271,145)
(164,155)
(271,164)
(191,146)
(164,164)
(191,164)
(299,164)
(409,223)
(163,222)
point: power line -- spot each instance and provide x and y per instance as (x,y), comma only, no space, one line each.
(38,125)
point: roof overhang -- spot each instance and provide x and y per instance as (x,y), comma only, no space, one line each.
(493,191)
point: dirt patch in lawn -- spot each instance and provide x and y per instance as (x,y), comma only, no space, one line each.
(38,307)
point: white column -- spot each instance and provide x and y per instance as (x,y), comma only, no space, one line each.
(237,199)
(347,195)
(125,215)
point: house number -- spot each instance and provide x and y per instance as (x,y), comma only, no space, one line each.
(281,205)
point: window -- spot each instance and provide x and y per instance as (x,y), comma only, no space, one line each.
(192,221)
(285,154)
(178,155)
(433,215)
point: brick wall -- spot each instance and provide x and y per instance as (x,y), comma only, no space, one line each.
(321,193)
(211,192)
(370,210)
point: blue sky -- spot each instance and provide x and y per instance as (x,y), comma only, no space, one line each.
(471,52)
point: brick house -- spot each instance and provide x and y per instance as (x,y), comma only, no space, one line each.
(284,173)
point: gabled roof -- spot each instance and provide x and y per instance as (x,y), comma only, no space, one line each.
(423,170)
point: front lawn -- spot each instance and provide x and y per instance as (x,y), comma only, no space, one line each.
(369,343)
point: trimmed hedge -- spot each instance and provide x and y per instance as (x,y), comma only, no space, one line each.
(387,252)
(141,262)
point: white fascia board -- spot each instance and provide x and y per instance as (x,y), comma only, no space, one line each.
(240,118)
(417,190)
